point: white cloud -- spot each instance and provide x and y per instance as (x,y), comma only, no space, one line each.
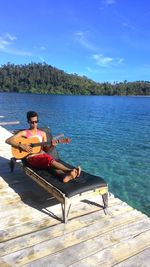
(39,48)
(129,26)
(120,60)
(42,48)
(42,59)
(10,37)
(109,2)
(106,3)
(92,70)
(17,52)
(6,45)
(104,61)
(6,40)
(81,37)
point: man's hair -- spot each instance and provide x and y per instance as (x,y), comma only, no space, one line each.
(31,114)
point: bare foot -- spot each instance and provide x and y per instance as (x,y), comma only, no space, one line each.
(78,170)
(73,174)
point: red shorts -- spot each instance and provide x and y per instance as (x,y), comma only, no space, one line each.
(42,161)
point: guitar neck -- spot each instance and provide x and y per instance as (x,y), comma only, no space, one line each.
(40,144)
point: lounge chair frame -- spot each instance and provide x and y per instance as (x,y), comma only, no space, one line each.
(65,201)
(61,197)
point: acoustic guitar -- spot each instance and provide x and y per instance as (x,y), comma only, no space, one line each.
(18,153)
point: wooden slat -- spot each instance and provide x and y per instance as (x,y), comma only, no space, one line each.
(22,225)
(85,243)
(118,253)
(51,232)
(139,260)
(9,123)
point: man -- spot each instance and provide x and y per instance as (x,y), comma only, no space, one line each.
(42,159)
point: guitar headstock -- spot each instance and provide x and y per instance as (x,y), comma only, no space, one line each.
(66,140)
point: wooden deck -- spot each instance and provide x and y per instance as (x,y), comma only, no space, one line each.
(31,233)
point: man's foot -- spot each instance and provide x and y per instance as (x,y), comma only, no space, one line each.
(72,175)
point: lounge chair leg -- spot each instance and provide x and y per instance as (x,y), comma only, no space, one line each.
(105,202)
(12,164)
(65,211)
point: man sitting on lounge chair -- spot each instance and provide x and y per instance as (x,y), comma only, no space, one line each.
(41,159)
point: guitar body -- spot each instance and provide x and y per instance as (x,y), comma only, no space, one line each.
(19,153)
(34,143)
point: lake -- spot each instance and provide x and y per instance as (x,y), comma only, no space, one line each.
(110,136)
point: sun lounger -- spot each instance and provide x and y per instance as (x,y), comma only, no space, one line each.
(85,186)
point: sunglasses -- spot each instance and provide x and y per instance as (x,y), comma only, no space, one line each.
(32,122)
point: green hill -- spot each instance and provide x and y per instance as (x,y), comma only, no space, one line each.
(45,79)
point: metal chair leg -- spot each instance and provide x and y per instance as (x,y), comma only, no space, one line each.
(105,202)
(12,164)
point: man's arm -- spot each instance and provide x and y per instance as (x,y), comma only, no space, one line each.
(12,141)
(50,146)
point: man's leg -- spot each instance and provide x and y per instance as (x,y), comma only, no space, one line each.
(65,172)
(59,166)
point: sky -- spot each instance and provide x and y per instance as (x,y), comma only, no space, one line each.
(104,40)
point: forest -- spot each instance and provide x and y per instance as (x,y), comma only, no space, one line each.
(46,79)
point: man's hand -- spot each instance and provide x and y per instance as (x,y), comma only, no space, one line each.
(26,147)
(54,142)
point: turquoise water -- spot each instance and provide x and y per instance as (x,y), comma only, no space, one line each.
(110,136)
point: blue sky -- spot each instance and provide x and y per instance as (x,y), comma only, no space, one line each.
(105,40)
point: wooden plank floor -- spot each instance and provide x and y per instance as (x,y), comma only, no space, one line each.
(31,233)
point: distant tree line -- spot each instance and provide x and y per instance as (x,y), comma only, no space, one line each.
(45,79)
